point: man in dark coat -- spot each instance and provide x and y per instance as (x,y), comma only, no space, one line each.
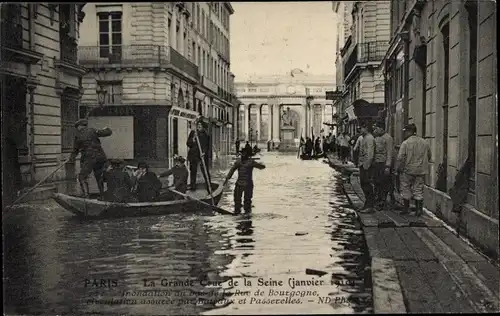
(180,173)
(118,183)
(145,183)
(194,157)
(93,158)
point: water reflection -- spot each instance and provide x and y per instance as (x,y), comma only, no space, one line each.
(50,256)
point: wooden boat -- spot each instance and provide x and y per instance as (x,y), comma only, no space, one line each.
(94,208)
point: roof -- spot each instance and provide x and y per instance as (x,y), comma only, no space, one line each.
(295,75)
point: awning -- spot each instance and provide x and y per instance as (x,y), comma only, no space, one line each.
(364,109)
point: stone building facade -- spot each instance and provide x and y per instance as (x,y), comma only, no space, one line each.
(441,76)
(265,99)
(362,36)
(41,84)
(160,65)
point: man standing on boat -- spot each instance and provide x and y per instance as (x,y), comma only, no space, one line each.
(194,157)
(93,158)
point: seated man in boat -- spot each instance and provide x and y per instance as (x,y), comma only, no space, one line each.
(118,183)
(146,185)
(244,184)
(180,173)
(93,158)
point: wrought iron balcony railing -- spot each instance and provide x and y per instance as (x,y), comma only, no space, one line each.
(135,56)
(363,53)
(124,56)
(182,63)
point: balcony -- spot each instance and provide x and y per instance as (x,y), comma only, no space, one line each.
(136,56)
(364,53)
(124,56)
(183,64)
(209,84)
(68,60)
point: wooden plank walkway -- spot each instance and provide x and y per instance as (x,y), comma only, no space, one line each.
(419,266)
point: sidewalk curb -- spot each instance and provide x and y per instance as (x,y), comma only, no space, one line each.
(386,286)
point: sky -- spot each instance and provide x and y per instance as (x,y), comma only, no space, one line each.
(275,37)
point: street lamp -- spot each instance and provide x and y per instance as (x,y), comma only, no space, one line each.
(101,95)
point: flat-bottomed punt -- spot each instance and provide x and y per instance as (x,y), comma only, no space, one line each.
(94,208)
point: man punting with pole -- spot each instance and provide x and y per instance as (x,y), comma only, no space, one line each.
(93,158)
(195,158)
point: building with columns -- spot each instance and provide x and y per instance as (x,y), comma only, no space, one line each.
(40,87)
(363,37)
(441,76)
(281,109)
(153,69)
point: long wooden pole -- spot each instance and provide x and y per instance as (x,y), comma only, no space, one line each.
(214,207)
(204,167)
(40,182)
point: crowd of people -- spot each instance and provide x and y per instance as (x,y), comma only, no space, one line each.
(384,168)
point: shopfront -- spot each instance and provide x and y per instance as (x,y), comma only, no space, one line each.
(139,132)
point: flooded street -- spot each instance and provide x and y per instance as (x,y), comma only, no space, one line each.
(57,264)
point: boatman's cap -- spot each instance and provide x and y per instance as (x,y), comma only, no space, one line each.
(410,128)
(179,159)
(82,122)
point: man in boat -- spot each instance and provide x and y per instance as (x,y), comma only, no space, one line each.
(145,184)
(93,158)
(180,173)
(308,147)
(194,157)
(118,182)
(244,184)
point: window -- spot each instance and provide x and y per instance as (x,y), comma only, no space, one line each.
(67,20)
(114,92)
(195,60)
(203,23)
(110,34)
(252,90)
(69,115)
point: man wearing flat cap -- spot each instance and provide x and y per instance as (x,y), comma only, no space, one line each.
(93,158)
(180,173)
(382,163)
(412,164)
(194,156)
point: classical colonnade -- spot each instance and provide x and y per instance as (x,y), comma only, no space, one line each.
(274,113)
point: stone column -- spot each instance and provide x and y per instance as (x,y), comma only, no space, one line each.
(173,29)
(269,122)
(246,123)
(276,123)
(304,121)
(181,34)
(259,109)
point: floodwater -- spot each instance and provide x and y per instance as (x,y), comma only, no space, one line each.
(192,264)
